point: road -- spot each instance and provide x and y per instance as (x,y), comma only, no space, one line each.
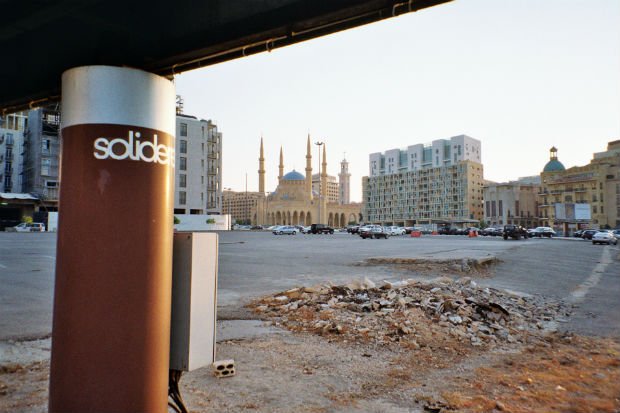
(256,263)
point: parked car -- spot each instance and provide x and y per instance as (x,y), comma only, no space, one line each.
(446,231)
(353,229)
(604,237)
(616,233)
(374,231)
(515,232)
(395,230)
(305,230)
(588,233)
(542,232)
(321,229)
(29,227)
(285,230)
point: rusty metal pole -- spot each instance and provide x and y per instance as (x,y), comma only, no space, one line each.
(111,326)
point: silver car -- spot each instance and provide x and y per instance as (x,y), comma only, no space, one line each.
(604,237)
(285,230)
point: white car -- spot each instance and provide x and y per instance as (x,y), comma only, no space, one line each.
(395,230)
(32,227)
(604,237)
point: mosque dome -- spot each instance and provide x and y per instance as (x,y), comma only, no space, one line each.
(293,176)
(553,165)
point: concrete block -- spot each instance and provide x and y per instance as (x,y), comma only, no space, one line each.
(224,368)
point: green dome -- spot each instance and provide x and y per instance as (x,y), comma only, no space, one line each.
(553,166)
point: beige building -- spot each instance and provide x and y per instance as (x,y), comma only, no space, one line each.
(581,196)
(438,183)
(294,202)
(241,206)
(333,187)
(512,202)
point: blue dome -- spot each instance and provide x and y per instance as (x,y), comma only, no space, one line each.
(553,166)
(293,176)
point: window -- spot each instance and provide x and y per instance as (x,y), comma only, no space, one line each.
(182,180)
(46,166)
(46,146)
(182,197)
(183,163)
(183,146)
(183,129)
(501,207)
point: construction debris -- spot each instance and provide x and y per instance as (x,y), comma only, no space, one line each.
(224,368)
(411,312)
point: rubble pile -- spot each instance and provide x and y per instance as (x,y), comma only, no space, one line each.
(411,312)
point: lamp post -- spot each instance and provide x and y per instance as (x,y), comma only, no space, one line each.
(319,144)
(246,200)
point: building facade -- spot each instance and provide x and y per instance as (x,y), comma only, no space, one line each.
(439,183)
(512,202)
(581,196)
(41,170)
(296,202)
(242,206)
(198,171)
(12,128)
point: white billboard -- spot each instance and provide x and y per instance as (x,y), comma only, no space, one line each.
(572,212)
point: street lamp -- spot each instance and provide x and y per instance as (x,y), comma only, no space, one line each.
(319,144)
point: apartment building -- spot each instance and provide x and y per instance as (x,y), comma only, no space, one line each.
(333,187)
(243,206)
(41,154)
(12,129)
(581,196)
(513,202)
(437,183)
(198,172)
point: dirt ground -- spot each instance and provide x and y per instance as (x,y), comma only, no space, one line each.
(408,353)
(300,372)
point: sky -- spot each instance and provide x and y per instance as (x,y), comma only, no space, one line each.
(519,75)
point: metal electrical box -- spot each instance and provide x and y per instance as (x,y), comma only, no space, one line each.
(194,300)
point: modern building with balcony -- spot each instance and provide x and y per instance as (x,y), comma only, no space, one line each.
(41,152)
(198,172)
(581,196)
(435,184)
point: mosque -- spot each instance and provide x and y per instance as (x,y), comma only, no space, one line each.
(296,202)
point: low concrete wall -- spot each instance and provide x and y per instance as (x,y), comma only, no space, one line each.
(199,222)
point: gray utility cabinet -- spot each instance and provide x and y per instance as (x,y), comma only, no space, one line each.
(194,300)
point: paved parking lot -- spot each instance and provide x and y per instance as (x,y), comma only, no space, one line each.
(256,263)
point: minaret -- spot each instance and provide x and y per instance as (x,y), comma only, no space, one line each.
(261,168)
(344,179)
(323,198)
(281,166)
(309,169)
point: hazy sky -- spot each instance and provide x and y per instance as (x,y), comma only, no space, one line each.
(520,76)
